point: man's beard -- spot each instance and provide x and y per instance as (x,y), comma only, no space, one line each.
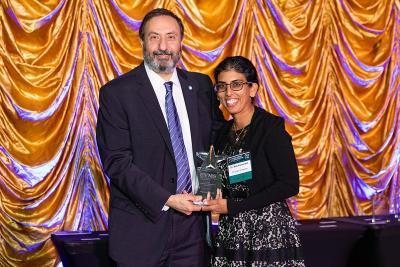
(161,66)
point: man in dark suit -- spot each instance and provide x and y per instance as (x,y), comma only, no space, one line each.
(151,122)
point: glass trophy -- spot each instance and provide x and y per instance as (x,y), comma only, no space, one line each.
(378,200)
(397,206)
(209,174)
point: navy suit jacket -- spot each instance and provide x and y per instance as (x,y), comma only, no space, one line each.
(137,155)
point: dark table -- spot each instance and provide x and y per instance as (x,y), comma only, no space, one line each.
(86,249)
(329,242)
(380,244)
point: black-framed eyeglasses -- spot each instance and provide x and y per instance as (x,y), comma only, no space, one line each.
(234,85)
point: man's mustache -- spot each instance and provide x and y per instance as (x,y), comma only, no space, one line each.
(162,52)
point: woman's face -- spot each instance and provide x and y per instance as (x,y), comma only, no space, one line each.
(237,101)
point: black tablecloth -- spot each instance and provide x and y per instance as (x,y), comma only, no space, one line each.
(333,242)
(380,244)
(86,249)
(329,243)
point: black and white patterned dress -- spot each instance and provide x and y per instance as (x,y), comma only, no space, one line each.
(259,237)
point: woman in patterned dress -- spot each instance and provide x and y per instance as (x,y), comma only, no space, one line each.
(255,225)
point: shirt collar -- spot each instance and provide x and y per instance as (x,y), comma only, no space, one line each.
(157,80)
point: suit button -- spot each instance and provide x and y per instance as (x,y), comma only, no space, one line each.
(172,180)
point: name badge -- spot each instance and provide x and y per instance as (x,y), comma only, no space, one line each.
(239,168)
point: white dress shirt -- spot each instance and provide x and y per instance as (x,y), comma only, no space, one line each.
(158,86)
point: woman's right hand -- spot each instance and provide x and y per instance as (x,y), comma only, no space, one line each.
(219,194)
(217,205)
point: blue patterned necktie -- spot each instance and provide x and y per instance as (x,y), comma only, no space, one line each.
(175,132)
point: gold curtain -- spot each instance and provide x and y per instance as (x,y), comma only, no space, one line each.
(329,67)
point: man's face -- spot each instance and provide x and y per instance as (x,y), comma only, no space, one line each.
(162,44)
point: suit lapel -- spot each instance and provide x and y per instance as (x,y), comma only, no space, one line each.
(189,90)
(153,107)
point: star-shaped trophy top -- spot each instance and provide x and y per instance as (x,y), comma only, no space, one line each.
(210,160)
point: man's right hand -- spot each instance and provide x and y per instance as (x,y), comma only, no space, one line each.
(184,203)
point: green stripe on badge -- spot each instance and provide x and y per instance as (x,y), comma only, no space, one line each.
(240,177)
